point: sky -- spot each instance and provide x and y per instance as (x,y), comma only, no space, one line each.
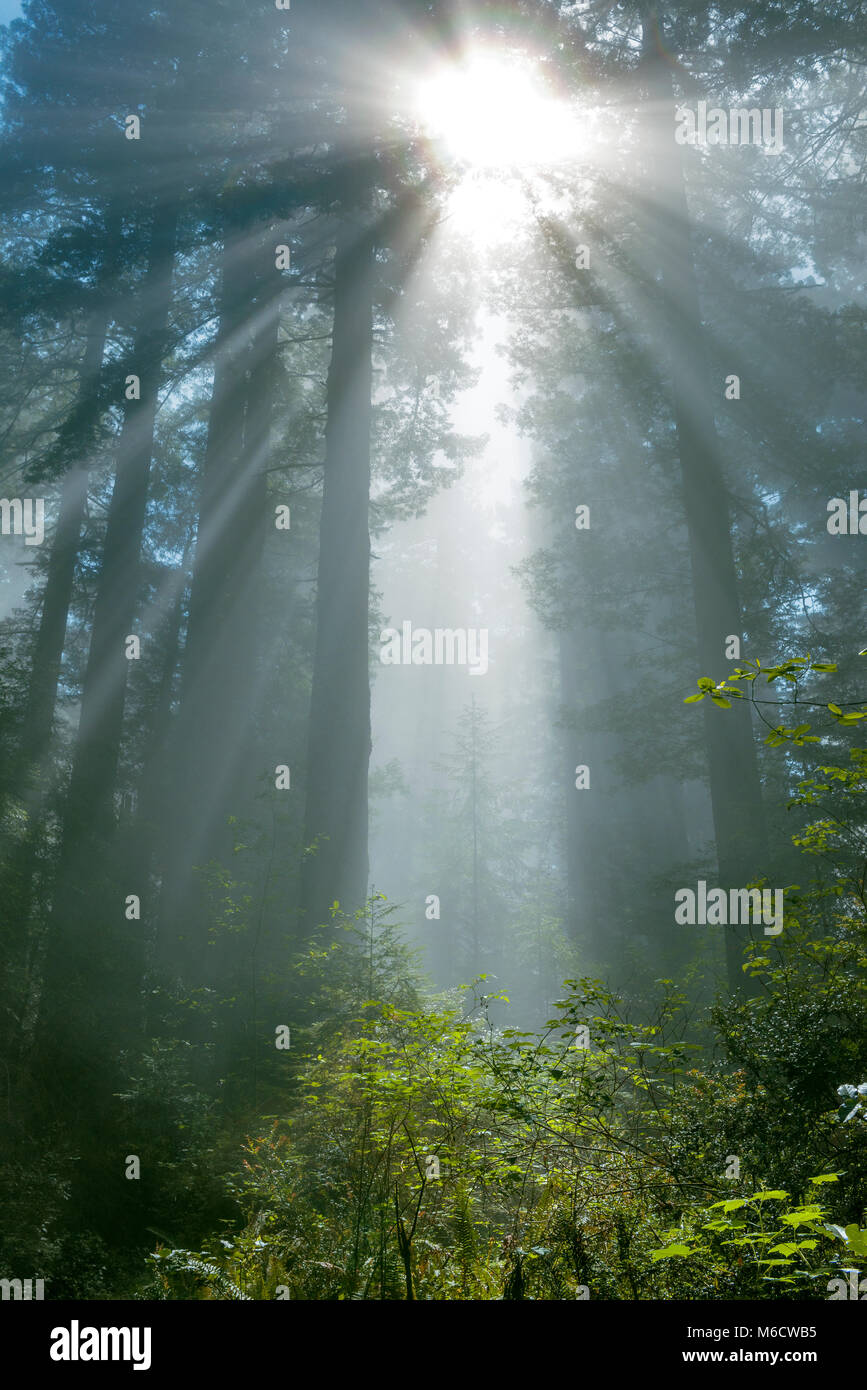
(9,9)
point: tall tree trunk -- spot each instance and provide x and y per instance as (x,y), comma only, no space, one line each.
(95,952)
(599,889)
(73,447)
(74,443)
(90,800)
(734,778)
(21,869)
(143,824)
(336,821)
(57,595)
(216,773)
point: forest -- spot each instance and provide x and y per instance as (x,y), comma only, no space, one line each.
(433,532)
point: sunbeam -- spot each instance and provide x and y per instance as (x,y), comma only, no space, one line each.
(493,111)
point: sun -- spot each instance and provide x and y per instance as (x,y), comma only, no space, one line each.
(493,112)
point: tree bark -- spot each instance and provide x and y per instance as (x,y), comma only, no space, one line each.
(216,771)
(336,823)
(94,951)
(75,440)
(734,777)
(57,595)
(91,791)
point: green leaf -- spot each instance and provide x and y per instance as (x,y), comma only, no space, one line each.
(856,1239)
(669,1251)
(802,1216)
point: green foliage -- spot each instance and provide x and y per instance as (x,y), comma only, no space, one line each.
(560,1167)
(793,673)
(766,1240)
(565,1168)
